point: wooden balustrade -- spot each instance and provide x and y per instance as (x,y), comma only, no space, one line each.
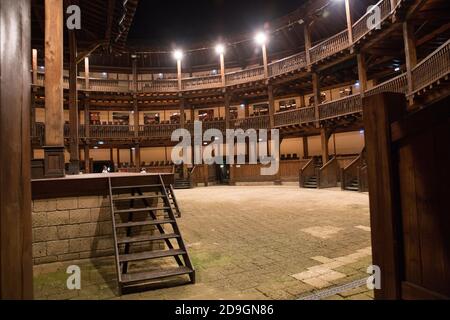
(159,85)
(158,130)
(340,107)
(329,46)
(244,76)
(259,122)
(362,27)
(219,125)
(111,131)
(202,82)
(110,85)
(398,84)
(289,64)
(432,68)
(293,117)
(350,172)
(328,174)
(308,171)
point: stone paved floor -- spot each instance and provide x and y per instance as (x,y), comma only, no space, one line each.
(258,242)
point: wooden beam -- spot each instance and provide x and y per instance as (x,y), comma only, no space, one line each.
(348,14)
(316,95)
(86,73)
(271,97)
(410,55)
(362,72)
(324,137)
(16,264)
(305,148)
(54,98)
(308,42)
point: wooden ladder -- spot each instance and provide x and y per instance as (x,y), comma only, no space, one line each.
(131,232)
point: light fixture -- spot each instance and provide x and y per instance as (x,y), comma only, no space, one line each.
(261,38)
(95,147)
(101,143)
(133,149)
(357,84)
(160,76)
(220,49)
(397,69)
(361,131)
(178,54)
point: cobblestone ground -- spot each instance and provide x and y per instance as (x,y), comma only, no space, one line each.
(258,242)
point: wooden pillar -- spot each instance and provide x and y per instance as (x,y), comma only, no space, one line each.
(265,61)
(246,109)
(74,167)
(379,112)
(16,264)
(54,98)
(111,155)
(131,157)
(87,159)
(179,75)
(118,157)
(182,113)
(87,116)
(348,14)
(324,137)
(302,101)
(271,105)
(308,42)
(192,114)
(227,110)
(410,55)
(137,156)
(135,100)
(34,66)
(362,73)
(222,69)
(316,94)
(305,148)
(87,73)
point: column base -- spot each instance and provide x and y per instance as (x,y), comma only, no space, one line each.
(54,162)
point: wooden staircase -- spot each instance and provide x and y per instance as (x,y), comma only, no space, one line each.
(173,200)
(181,183)
(310,174)
(311,182)
(143,217)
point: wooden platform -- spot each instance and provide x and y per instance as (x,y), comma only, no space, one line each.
(91,184)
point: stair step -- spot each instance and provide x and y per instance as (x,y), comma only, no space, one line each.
(150,255)
(144,238)
(353,188)
(143,223)
(137,198)
(154,275)
(141,210)
(137,186)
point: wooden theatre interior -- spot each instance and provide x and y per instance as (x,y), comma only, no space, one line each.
(358,104)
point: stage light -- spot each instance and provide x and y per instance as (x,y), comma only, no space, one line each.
(261,38)
(220,49)
(178,54)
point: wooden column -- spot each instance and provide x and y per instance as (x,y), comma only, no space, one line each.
(35,66)
(227,110)
(410,55)
(180,83)
(54,98)
(362,73)
(265,61)
(74,167)
(305,148)
(192,114)
(137,156)
(87,159)
(307,35)
(87,74)
(324,137)
(16,264)
(316,94)
(348,14)
(87,116)
(182,113)
(131,157)
(222,69)
(379,112)
(118,157)
(111,155)
(271,105)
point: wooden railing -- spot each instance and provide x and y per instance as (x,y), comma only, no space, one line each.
(350,172)
(398,84)
(293,117)
(361,27)
(202,82)
(111,131)
(330,46)
(309,170)
(110,85)
(159,86)
(340,107)
(432,68)
(243,76)
(260,122)
(158,130)
(289,64)
(328,174)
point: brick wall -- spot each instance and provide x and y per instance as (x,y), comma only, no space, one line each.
(73,228)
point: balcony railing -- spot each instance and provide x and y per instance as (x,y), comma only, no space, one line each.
(208,82)
(294,117)
(348,105)
(258,122)
(330,46)
(158,130)
(244,76)
(162,85)
(111,131)
(398,84)
(364,24)
(289,64)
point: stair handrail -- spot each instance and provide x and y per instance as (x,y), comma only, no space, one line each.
(354,165)
(116,248)
(306,168)
(324,169)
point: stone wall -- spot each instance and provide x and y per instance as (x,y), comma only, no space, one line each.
(75,228)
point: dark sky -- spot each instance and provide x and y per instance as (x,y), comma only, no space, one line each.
(184,22)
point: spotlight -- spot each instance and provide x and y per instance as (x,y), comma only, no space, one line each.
(220,49)
(397,69)
(178,54)
(261,38)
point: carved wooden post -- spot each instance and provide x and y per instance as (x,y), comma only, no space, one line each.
(362,73)
(324,137)
(222,69)
(305,148)
(54,99)
(182,113)
(349,21)
(16,264)
(307,33)
(316,94)
(271,106)
(87,73)
(227,110)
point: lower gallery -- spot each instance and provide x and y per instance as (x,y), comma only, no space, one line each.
(332,186)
